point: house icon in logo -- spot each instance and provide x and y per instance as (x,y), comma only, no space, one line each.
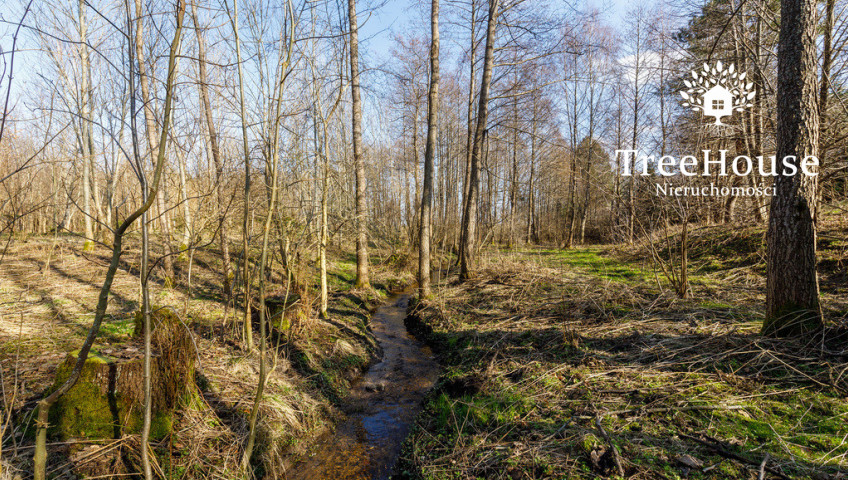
(718,91)
(718,103)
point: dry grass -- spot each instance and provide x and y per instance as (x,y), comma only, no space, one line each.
(46,308)
(565,364)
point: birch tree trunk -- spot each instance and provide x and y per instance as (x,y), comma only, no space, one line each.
(85,126)
(429,153)
(362,276)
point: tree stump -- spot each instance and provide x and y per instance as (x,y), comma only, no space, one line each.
(287,312)
(108,399)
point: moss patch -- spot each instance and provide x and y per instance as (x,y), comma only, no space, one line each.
(85,411)
(91,410)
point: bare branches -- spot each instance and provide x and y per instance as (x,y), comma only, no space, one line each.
(10,69)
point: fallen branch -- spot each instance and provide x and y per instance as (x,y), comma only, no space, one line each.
(642,411)
(761,475)
(728,454)
(615,456)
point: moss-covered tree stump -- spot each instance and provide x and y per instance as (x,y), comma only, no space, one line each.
(287,311)
(107,400)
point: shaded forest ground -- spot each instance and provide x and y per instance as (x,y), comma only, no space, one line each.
(551,357)
(577,364)
(46,308)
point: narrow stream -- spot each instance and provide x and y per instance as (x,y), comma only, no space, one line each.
(380,408)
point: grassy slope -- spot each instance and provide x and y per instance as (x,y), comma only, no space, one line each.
(546,345)
(45,312)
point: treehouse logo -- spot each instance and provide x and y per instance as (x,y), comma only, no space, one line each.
(718,91)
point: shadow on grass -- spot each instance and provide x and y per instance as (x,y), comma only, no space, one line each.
(652,378)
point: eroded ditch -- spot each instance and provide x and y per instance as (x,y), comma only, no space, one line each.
(380,408)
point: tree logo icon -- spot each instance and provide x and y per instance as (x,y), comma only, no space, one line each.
(718,91)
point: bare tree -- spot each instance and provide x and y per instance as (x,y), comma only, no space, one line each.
(362,275)
(9,70)
(150,127)
(84,134)
(638,33)
(271,166)
(469,217)
(247,325)
(216,155)
(429,153)
(40,457)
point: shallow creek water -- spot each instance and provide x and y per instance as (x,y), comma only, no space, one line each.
(380,408)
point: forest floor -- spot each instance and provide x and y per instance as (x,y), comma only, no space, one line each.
(582,363)
(557,364)
(48,290)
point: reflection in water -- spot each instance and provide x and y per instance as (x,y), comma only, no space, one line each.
(381,406)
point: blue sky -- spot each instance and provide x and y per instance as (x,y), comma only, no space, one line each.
(379,25)
(398,16)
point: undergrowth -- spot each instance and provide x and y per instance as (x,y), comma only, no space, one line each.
(46,308)
(581,364)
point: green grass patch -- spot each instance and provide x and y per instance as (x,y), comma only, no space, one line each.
(121,329)
(593,261)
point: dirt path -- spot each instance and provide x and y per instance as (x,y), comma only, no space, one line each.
(381,407)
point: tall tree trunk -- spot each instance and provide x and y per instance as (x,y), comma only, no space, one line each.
(324,232)
(530,192)
(758,111)
(587,193)
(245,233)
(263,340)
(99,217)
(407,204)
(362,276)
(824,89)
(85,126)
(145,315)
(272,167)
(413,221)
(631,206)
(572,164)
(429,153)
(513,179)
(216,155)
(181,165)
(587,172)
(152,142)
(469,218)
(615,221)
(323,155)
(469,139)
(792,287)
